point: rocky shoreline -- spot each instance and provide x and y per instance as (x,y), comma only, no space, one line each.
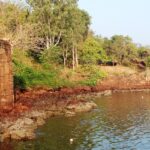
(33,107)
(23,126)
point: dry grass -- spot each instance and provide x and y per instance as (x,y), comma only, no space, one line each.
(121,76)
(118,70)
(73,76)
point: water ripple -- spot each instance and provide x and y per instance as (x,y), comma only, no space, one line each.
(121,122)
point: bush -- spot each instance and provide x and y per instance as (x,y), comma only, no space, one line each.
(52,55)
(25,77)
(92,51)
(93,75)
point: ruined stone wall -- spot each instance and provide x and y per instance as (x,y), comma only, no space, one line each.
(6,77)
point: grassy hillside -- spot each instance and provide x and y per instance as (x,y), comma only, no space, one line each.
(31,74)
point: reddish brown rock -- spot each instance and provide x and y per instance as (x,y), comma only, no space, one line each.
(67,91)
(82,89)
(6,77)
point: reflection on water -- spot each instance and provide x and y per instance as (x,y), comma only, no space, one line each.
(122,121)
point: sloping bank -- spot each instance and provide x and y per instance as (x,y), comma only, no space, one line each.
(32,108)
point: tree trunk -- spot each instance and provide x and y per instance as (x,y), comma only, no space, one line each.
(47,42)
(73,58)
(122,59)
(58,39)
(64,58)
(65,55)
(76,58)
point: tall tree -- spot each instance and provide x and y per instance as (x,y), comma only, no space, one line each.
(92,51)
(120,48)
(77,28)
(50,18)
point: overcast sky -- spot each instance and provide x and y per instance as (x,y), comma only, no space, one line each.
(125,17)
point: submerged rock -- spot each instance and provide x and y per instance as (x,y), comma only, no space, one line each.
(69,113)
(107,93)
(22,134)
(81,107)
(40,121)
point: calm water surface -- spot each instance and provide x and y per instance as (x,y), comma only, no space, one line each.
(121,122)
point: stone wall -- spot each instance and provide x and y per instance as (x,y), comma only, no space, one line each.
(6,77)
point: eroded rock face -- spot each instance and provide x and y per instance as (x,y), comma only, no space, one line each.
(6,78)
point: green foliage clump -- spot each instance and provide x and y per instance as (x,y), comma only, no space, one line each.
(34,75)
(31,77)
(121,48)
(52,55)
(92,51)
(93,75)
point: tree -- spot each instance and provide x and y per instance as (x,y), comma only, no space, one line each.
(143,52)
(92,51)
(120,48)
(49,16)
(77,29)
(61,23)
(16,26)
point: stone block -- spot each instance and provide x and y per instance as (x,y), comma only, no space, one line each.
(6,76)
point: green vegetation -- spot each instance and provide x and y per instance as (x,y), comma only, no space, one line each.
(54,47)
(92,51)
(28,73)
(92,75)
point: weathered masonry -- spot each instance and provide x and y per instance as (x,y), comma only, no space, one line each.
(6,77)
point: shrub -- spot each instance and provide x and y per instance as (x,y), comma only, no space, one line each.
(93,75)
(52,55)
(25,76)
